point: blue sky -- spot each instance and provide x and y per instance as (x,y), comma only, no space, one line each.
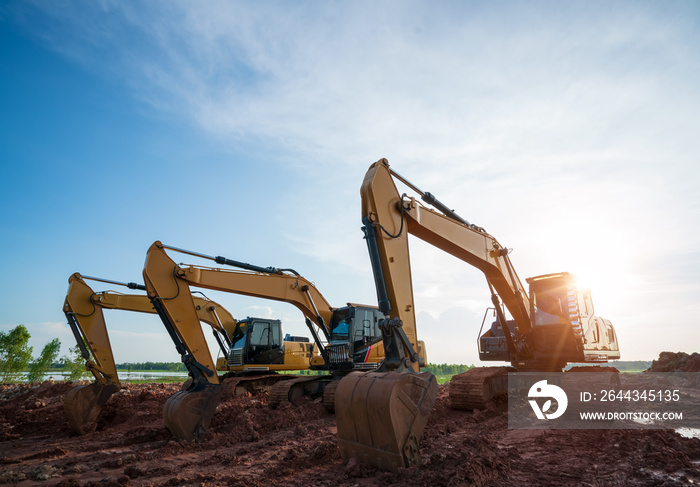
(567,129)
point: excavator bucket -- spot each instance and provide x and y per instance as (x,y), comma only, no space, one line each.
(381,416)
(83,404)
(187,414)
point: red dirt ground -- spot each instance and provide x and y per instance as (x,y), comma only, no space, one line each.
(249,444)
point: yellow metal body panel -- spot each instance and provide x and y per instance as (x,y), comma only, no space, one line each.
(175,297)
(278,287)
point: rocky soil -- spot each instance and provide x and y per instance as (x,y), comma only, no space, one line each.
(249,444)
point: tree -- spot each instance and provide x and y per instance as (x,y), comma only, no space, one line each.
(15,353)
(48,356)
(74,364)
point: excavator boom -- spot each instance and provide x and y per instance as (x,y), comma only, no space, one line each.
(547,329)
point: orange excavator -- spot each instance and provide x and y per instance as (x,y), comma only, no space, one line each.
(347,338)
(84,311)
(551,325)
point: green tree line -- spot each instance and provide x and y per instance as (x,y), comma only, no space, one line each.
(164,366)
(16,358)
(446,369)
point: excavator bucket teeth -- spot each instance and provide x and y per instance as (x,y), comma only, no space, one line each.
(381,416)
(187,414)
(83,404)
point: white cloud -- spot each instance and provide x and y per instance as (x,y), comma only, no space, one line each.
(568,131)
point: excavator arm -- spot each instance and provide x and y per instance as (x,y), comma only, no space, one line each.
(546,330)
(394,217)
(391,217)
(169,284)
(381,415)
(83,309)
(188,413)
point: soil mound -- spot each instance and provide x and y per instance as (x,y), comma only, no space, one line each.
(676,362)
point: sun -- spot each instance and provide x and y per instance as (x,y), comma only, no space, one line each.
(607,274)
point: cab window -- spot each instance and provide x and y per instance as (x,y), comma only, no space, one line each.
(341,324)
(365,324)
(265,334)
(550,305)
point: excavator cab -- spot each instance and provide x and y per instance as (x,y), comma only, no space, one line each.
(564,323)
(553,299)
(354,337)
(261,344)
(563,328)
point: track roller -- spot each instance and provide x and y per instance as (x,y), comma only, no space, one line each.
(294,389)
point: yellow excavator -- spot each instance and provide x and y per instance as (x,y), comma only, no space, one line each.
(253,339)
(347,338)
(552,324)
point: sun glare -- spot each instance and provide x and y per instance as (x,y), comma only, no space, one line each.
(606,274)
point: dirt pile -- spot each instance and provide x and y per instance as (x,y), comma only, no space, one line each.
(676,362)
(250,444)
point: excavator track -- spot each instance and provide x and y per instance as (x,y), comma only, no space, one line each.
(474,388)
(235,385)
(83,404)
(381,416)
(329,396)
(187,414)
(295,389)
